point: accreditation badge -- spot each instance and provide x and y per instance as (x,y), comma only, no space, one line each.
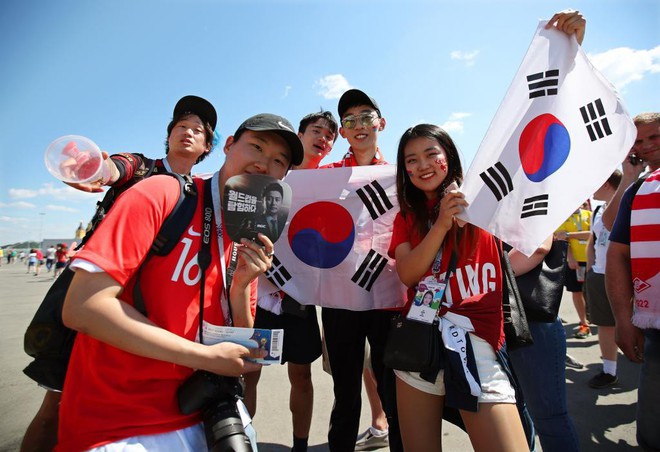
(427,300)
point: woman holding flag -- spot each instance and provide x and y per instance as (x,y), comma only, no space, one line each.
(433,252)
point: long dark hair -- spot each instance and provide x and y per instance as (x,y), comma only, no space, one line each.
(412,200)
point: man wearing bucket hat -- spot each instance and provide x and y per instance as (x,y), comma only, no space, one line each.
(189,140)
(126,368)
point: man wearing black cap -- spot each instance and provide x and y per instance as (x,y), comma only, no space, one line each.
(126,368)
(189,140)
(345,331)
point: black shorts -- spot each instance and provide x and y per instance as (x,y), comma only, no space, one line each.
(302,336)
(571,282)
(600,312)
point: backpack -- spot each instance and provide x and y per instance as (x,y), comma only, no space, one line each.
(146,168)
(49,341)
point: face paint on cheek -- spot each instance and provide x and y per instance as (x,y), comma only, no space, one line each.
(442,163)
(409,172)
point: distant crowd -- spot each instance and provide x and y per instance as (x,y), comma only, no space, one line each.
(53,258)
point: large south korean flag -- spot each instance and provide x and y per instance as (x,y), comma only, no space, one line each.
(558,135)
(333,250)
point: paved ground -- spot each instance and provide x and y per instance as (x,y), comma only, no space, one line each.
(604,418)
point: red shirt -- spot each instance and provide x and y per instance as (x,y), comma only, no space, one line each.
(62,255)
(474,289)
(110,394)
(349,160)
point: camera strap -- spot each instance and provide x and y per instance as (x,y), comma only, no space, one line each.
(211,207)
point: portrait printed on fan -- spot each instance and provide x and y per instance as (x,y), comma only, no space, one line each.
(253,204)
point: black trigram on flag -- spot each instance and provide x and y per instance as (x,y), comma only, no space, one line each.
(593,115)
(543,83)
(369,270)
(375,199)
(499,181)
(536,205)
(277,274)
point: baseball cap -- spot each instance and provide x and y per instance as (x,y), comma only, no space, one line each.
(200,107)
(354,97)
(267,122)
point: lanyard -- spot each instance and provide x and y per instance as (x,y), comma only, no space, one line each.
(435,268)
(217,209)
(578,223)
(211,207)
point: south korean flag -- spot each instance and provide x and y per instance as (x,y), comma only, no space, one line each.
(559,133)
(333,250)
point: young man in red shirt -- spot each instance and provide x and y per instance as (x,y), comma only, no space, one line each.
(126,368)
(189,141)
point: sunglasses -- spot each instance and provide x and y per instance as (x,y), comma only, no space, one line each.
(366,119)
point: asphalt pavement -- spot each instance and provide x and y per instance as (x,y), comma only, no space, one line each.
(605,418)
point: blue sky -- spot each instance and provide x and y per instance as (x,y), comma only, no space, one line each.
(112,70)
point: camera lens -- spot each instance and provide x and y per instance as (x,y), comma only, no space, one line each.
(224,428)
(216,396)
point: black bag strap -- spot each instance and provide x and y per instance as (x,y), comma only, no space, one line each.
(508,282)
(204,256)
(170,231)
(104,205)
(510,292)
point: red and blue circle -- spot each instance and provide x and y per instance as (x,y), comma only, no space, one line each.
(544,146)
(321,234)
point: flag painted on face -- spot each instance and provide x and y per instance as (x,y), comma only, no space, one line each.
(559,133)
(333,250)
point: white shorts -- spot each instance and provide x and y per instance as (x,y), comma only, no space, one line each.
(190,439)
(495,384)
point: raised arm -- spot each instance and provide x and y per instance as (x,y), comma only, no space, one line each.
(253,260)
(569,21)
(412,263)
(630,174)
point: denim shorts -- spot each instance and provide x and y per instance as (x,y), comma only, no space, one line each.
(495,384)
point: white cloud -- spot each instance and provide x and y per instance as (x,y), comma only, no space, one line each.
(13,220)
(61,208)
(468,57)
(332,86)
(22,193)
(455,122)
(62,193)
(459,115)
(624,65)
(287,90)
(17,205)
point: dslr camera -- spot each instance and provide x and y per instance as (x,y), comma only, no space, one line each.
(216,397)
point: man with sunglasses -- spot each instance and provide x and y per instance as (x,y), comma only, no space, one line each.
(346,331)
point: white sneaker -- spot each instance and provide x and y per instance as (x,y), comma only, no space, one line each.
(369,441)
